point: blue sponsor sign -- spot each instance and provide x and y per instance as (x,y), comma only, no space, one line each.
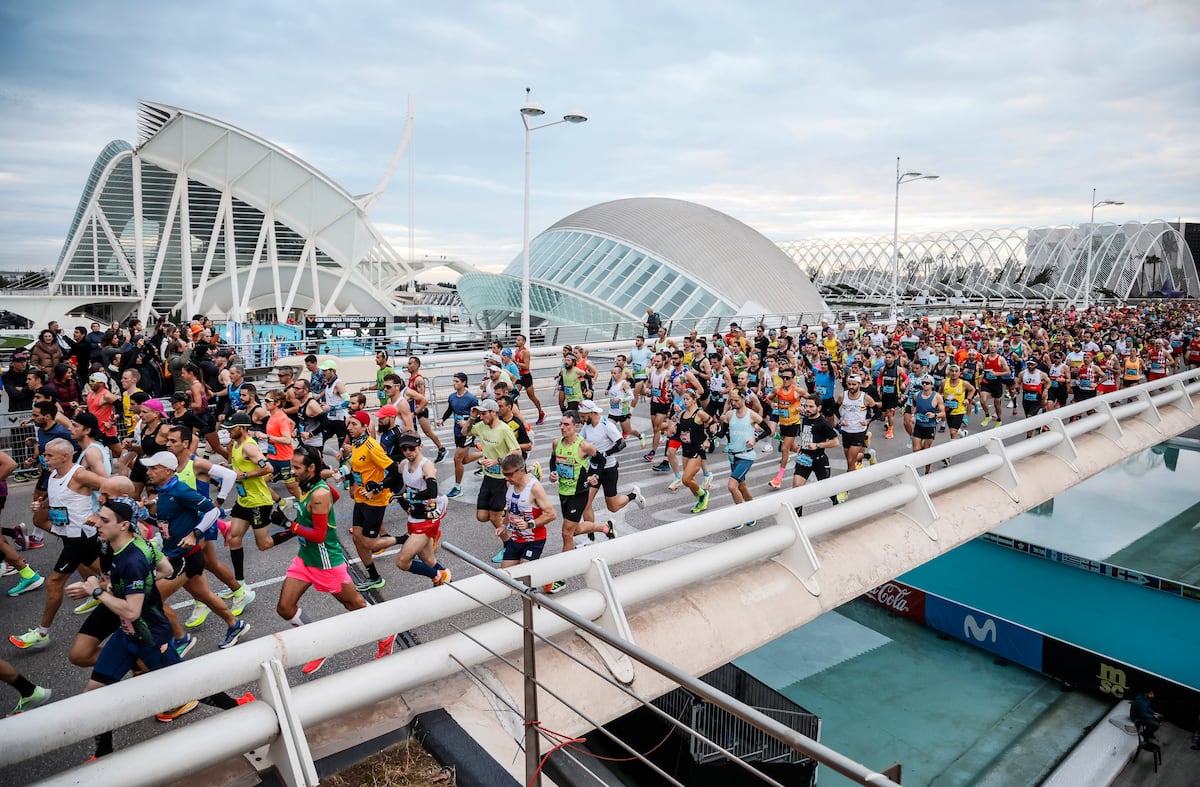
(1016,643)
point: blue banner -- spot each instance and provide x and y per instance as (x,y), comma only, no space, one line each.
(995,635)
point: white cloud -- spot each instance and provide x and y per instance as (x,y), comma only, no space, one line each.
(786,115)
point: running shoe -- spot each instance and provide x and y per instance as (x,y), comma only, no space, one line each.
(962,433)
(183,646)
(441,454)
(20,539)
(442,578)
(541,419)
(535,470)
(313,666)
(370,584)
(987,419)
(40,696)
(233,634)
(86,606)
(751,523)
(227,593)
(678,482)
(707,483)
(662,467)
(554,587)
(245,699)
(638,499)
(644,441)
(26,584)
(385,646)
(648,456)
(7,571)
(889,435)
(455,491)
(612,530)
(30,639)
(871,458)
(946,462)
(499,556)
(775,482)
(36,541)
(240,602)
(999,423)
(842,497)
(701,502)
(768,448)
(1014,411)
(908,444)
(175,713)
(198,616)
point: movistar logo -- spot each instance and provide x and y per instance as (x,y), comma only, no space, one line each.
(972,630)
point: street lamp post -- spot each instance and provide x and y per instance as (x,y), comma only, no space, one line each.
(1087,283)
(532,109)
(907,177)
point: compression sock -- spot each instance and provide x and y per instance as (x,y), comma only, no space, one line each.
(238,558)
(299,619)
(372,572)
(281,536)
(23,686)
(27,572)
(221,700)
(422,568)
(104,744)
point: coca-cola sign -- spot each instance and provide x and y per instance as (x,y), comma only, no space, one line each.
(899,598)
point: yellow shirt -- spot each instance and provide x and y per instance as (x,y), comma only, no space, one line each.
(369,462)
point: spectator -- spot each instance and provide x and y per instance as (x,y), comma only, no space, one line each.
(66,388)
(81,353)
(46,352)
(1142,714)
(16,383)
(95,340)
(653,321)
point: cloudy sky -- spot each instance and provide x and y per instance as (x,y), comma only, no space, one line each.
(787,115)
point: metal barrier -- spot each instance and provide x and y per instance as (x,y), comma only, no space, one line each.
(285,711)
(16,431)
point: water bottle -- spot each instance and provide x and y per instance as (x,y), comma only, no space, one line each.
(345,473)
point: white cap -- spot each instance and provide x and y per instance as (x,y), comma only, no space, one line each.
(161,459)
(588,406)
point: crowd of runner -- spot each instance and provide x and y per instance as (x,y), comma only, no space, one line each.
(147,497)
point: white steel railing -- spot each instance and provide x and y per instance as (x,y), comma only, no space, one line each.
(280,718)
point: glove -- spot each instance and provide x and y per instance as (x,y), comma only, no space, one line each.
(373,487)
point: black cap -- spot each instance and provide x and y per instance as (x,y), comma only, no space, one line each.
(238,419)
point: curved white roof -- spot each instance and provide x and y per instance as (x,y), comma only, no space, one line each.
(721,252)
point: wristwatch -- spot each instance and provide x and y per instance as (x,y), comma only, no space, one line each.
(97,593)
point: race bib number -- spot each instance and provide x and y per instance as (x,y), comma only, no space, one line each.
(565,472)
(1032,396)
(59,517)
(951,404)
(889,389)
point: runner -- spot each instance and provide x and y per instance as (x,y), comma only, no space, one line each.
(183,515)
(279,440)
(373,475)
(639,359)
(416,382)
(68,503)
(606,437)
(252,509)
(785,403)
(890,380)
(692,436)
(131,595)
(928,409)
(658,387)
(522,359)
(459,405)
(957,394)
(527,511)
(570,460)
(995,369)
(816,435)
(620,402)
(497,441)
(425,509)
(320,561)
(1034,384)
(744,427)
(853,423)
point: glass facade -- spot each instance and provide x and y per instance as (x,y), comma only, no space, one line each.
(626,279)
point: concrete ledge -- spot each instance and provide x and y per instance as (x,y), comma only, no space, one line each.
(1101,756)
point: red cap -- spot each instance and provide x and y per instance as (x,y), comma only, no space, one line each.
(362,417)
(387,411)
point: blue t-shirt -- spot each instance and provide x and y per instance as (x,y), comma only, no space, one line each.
(181,508)
(460,406)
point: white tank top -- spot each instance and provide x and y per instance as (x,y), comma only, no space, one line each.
(854,413)
(68,509)
(415,480)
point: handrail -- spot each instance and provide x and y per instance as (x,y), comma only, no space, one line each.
(78,718)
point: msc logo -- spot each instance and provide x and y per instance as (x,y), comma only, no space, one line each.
(1112,681)
(972,629)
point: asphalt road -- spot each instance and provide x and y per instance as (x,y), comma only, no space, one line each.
(264,570)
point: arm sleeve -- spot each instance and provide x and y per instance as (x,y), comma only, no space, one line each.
(207,521)
(429,492)
(320,526)
(226,476)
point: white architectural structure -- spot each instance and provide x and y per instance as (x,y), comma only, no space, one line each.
(204,217)
(1129,260)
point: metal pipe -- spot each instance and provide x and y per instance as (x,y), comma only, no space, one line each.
(817,751)
(533,764)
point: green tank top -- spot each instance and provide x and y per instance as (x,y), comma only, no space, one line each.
(568,463)
(572,382)
(251,492)
(328,553)
(187,474)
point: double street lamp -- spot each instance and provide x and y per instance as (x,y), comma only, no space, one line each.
(1087,283)
(907,177)
(531,110)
